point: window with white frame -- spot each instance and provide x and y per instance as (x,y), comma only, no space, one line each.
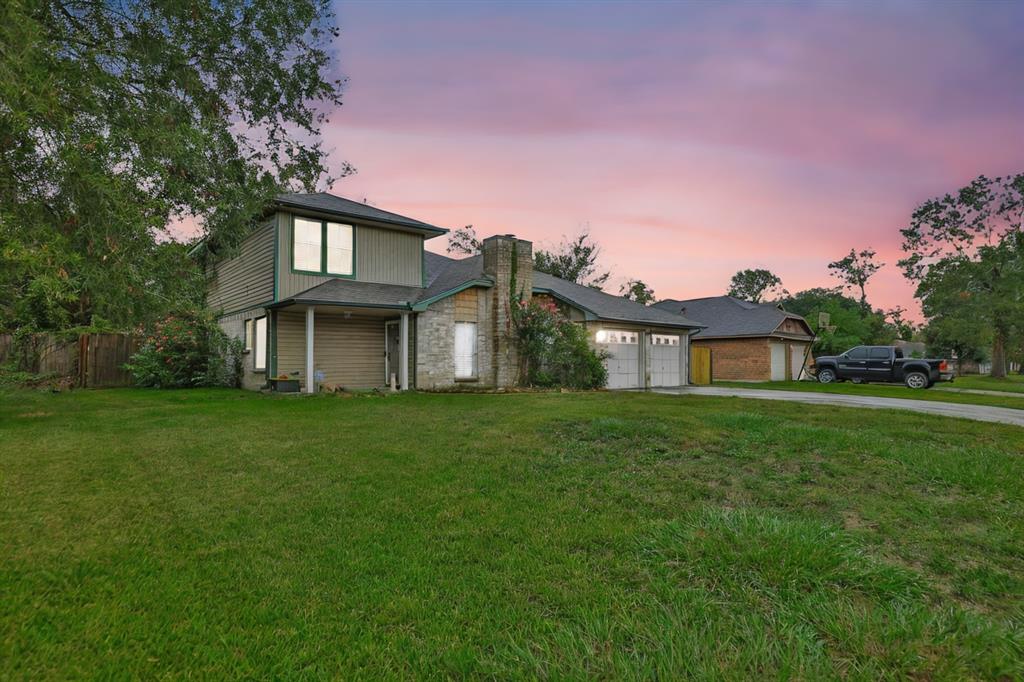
(617,336)
(259,344)
(307,238)
(465,350)
(338,260)
(664,340)
(247,334)
(322,247)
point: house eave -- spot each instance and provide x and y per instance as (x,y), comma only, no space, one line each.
(420,306)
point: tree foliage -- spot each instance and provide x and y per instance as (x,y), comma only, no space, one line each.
(637,290)
(855,269)
(756,285)
(464,242)
(118,118)
(850,323)
(965,252)
(574,260)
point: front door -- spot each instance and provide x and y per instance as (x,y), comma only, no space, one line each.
(392,353)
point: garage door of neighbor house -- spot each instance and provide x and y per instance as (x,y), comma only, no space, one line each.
(623,361)
(664,350)
(778,361)
(796,362)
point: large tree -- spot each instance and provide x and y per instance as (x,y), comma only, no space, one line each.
(119,118)
(756,285)
(855,269)
(848,323)
(574,260)
(637,290)
(968,247)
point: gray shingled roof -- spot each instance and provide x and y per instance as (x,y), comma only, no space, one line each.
(328,203)
(359,294)
(728,316)
(444,275)
(607,306)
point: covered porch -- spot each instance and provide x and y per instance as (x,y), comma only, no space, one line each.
(338,346)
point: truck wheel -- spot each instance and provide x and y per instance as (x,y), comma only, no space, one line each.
(826,376)
(916,380)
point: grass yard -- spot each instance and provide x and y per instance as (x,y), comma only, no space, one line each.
(223,534)
(1013,383)
(886,391)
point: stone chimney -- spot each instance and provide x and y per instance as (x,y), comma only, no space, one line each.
(509,262)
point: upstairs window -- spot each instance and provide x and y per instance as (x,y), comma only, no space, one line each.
(322,248)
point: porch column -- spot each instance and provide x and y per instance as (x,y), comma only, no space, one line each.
(403,371)
(310,379)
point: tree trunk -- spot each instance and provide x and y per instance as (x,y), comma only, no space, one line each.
(999,355)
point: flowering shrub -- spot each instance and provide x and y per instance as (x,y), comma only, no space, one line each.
(553,351)
(187,350)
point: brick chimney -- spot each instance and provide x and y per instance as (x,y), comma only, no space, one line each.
(509,262)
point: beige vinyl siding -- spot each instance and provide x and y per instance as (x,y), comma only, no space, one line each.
(350,352)
(382,256)
(246,279)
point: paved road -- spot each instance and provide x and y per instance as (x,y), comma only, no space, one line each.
(1003,415)
(979,391)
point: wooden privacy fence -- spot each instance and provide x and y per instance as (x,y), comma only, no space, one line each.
(700,365)
(90,361)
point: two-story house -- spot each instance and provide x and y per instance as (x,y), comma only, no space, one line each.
(335,292)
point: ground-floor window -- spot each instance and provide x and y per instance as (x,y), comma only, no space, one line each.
(664,340)
(615,336)
(248,336)
(259,344)
(465,350)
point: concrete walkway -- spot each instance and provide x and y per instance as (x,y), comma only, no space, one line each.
(984,413)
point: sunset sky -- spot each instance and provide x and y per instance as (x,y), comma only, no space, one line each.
(693,139)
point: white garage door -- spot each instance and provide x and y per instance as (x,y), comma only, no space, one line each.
(623,362)
(664,349)
(797,361)
(778,362)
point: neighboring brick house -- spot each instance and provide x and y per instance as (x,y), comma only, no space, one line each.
(748,341)
(332,292)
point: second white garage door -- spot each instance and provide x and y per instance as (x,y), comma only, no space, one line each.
(664,350)
(623,361)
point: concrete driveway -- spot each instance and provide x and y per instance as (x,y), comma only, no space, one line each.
(984,413)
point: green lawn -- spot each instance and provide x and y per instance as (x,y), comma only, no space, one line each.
(218,534)
(885,391)
(1012,384)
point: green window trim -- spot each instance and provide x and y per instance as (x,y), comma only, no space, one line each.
(323,272)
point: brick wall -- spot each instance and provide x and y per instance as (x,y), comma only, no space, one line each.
(738,359)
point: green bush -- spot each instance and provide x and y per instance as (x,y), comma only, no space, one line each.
(554,351)
(187,350)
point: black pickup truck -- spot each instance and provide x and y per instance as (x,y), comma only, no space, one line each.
(882,364)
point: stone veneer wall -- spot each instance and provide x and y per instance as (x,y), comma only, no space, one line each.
(499,254)
(435,339)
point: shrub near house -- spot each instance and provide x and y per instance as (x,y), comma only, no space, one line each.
(187,350)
